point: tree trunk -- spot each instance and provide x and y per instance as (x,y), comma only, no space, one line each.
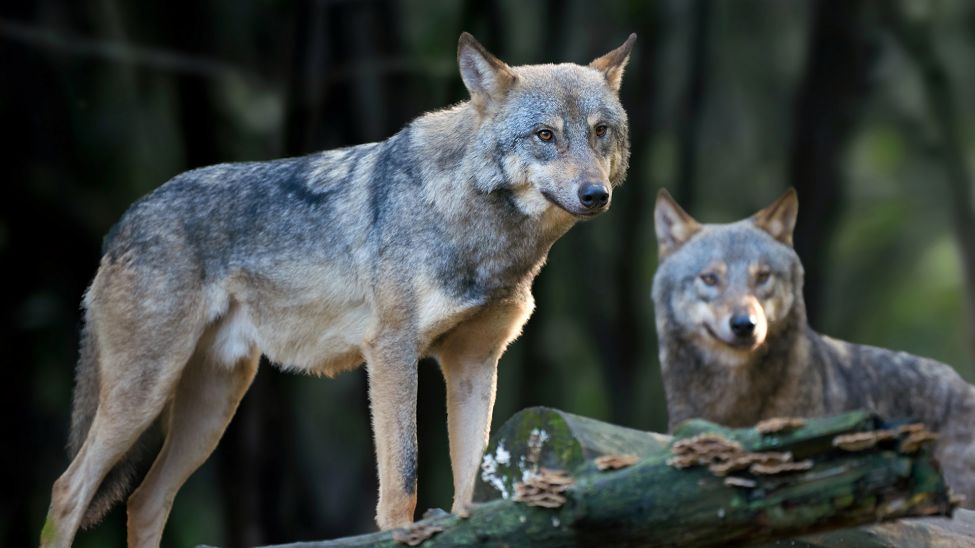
(692,102)
(651,502)
(828,105)
(915,34)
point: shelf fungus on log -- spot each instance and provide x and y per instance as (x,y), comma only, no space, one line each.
(544,488)
(415,535)
(777,425)
(723,456)
(615,462)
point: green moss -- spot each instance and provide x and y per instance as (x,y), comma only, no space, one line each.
(48,532)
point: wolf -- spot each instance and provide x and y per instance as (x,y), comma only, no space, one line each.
(422,245)
(736,348)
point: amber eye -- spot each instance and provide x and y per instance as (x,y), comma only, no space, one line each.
(601,130)
(762,276)
(545,134)
(709,279)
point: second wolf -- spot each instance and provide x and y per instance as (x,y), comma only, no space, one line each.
(425,244)
(735,346)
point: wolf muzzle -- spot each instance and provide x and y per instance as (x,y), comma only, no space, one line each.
(743,326)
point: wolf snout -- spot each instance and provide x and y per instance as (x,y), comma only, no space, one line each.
(743,325)
(593,195)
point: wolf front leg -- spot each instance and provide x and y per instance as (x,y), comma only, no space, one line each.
(469,360)
(392,367)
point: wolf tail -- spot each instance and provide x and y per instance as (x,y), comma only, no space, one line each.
(118,482)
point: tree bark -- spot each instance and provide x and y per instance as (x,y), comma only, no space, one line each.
(827,108)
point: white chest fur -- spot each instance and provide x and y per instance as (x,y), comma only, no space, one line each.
(318,327)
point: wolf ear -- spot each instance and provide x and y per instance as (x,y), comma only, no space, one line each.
(779,219)
(486,77)
(673,225)
(613,63)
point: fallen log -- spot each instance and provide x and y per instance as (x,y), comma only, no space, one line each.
(550,478)
(955,532)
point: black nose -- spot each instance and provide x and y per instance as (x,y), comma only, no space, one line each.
(742,325)
(593,195)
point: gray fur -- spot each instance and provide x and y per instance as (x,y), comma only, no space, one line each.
(388,250)
(795,371)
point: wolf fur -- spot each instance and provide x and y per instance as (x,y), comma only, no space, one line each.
(423,245)
(711,274)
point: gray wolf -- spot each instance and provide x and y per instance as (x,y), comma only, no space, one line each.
(735,346)
(423,245)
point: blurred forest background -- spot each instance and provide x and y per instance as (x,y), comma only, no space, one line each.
(860,105)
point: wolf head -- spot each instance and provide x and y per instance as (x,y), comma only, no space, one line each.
(726,288)
(556,136)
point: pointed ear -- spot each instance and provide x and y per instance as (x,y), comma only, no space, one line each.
(613,63)
(779,219)
(486,77)
(673,225)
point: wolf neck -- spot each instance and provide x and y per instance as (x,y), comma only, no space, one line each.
(768,385)
(469,193)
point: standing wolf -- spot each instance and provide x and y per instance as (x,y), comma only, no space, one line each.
(735,346)
(425,244)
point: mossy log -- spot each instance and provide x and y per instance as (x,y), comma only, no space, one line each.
(648,501)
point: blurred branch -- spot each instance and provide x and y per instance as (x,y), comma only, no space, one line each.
(113,51)
(160,59)
(915,34)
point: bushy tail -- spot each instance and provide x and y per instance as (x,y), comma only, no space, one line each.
(118,483)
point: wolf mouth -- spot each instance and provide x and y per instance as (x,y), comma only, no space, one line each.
(552,199)
(743,345)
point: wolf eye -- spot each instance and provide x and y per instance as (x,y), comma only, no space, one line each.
(709,279)
(601,130)
(545,134)
(762,276)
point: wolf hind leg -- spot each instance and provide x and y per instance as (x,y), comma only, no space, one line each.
(134,389)
(204,403)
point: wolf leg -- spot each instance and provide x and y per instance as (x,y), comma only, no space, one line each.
(392,369)
(469,360)
(206,399)
(134,391)
(955,447)
(471,382)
